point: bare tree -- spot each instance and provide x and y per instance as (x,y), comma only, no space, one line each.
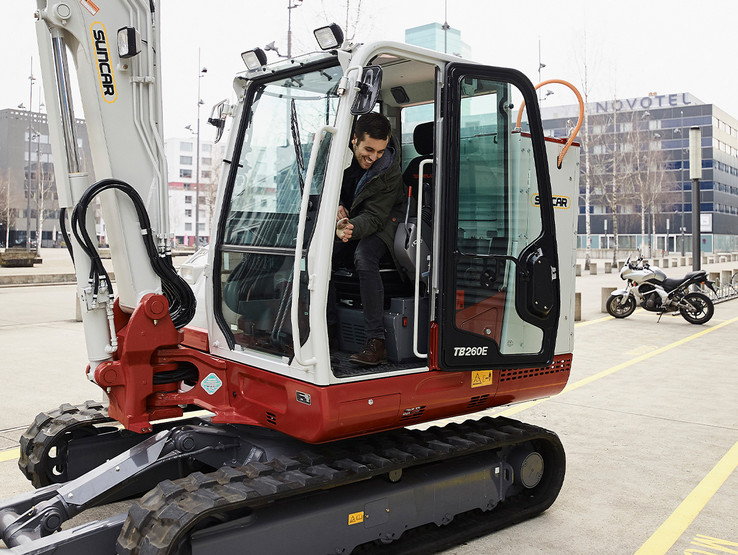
(7,215)
(44,187)
(644,164)
(608,182)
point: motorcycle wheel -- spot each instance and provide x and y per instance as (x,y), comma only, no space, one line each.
(700,308)
(620,308)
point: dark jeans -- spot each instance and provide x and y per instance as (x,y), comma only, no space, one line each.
(366,254)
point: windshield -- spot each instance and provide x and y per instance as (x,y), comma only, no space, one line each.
(284,117)
(258,253)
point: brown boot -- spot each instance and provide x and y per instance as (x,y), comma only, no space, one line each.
(372,354)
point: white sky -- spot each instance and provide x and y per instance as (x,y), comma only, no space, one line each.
(632,47)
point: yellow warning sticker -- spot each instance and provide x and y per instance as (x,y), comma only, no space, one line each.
(480,378)
(356,518)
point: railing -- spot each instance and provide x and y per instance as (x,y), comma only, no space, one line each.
(726,289)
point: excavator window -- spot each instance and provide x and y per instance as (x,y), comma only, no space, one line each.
(262,216)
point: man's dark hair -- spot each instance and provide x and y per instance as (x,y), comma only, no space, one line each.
(373,124)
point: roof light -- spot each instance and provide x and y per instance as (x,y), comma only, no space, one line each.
(129,42)
(254,59)
(329,37)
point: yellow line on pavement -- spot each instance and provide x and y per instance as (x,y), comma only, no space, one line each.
(584,381)
(589,322)
(674,526)
(9,455)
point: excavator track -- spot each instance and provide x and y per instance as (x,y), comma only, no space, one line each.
(43,446)
(172,516)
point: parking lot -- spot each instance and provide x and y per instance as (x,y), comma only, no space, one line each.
(649,421)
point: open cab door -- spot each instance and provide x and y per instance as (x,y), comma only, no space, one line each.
(497,279)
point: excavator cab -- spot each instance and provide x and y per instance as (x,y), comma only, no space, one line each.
(479,279)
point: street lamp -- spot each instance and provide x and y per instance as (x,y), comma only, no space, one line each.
(29,181)
(203,71)
(290,7)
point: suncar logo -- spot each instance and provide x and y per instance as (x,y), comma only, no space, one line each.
(558,201)
(104,62)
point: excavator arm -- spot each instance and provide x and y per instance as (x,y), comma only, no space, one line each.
(114,49)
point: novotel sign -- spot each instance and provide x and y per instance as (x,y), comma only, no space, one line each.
(645,102)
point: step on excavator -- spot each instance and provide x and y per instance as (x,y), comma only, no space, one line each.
(228,418)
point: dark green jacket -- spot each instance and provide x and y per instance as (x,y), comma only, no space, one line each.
(379,201)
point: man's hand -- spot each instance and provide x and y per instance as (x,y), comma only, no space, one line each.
(344,229)
(342,213)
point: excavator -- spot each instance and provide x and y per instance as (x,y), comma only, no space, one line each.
(229,421)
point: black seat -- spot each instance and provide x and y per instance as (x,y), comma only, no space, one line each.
(423,143)
(406,237)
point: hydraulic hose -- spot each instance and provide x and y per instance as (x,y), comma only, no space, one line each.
(578,126)
(181,299)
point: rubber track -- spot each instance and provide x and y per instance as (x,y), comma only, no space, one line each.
(165,515)
(45,432)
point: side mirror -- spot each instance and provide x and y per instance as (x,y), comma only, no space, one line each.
(369,85)
(218,118)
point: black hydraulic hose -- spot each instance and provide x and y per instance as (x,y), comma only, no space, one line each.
(64,232)
(181,298)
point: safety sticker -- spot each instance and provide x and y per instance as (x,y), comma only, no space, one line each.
(356,518)
(89,6)
(480,378)
(211,383)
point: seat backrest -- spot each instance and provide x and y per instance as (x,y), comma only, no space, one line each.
(410,236)
(423,143)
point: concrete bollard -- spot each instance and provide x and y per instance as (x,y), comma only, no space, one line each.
(608,267)
(725,276)
(593,268)
(606,292)
(577,307)
(578,270)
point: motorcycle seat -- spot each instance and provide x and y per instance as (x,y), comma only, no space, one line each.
(670,284)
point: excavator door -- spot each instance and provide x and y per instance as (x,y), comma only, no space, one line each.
(497,291)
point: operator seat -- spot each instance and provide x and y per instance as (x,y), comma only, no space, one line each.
(406,237)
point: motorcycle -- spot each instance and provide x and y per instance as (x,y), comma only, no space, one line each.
(649,288)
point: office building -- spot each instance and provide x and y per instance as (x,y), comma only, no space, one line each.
(639,177)
(26,164)
(181,156)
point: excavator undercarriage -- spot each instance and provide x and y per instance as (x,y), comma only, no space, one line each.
(272,493)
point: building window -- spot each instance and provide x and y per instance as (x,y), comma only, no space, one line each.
(185,173)
(185,147)
(185,160)
(205,174)
(206,147)
(201,227)
(207,161)
(188,226)
(188,199)
(188,212)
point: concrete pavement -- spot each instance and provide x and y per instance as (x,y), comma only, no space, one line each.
(648,420)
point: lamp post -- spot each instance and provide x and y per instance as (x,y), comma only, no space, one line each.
(29,181)
(290,7)
(681,178)
(695,174)
(541,65)
(202,71)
